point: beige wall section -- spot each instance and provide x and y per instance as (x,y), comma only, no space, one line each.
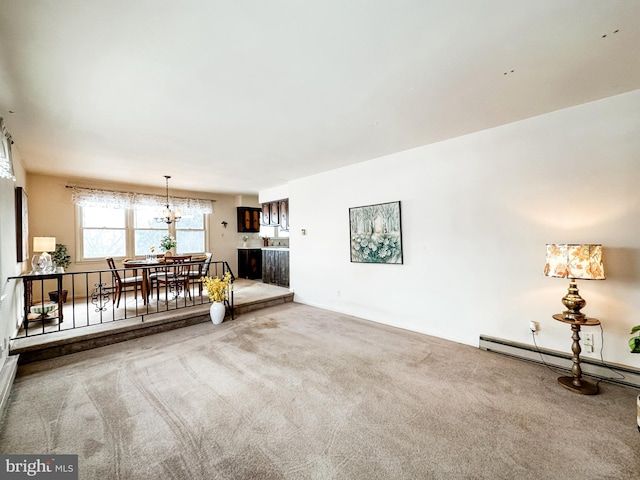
(247,201)
(51,213)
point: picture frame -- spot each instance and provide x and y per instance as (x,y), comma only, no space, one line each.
(376,233)
(22,225)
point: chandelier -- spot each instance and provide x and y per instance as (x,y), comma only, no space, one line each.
(169,216)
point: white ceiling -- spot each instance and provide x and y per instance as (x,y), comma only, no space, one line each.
(239,96)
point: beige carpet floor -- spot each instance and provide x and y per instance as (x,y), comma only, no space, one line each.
(295,392)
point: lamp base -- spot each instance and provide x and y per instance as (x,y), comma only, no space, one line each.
(574,303)
(583,387)
(574,316)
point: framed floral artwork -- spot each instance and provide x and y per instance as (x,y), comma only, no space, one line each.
(376,233)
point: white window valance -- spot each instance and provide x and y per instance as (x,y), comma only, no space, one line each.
(92,197)
(6,165)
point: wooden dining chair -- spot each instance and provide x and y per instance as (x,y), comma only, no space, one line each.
(174,275)
(122,284)
(199,269)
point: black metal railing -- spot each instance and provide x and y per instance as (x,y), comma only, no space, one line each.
(54,302)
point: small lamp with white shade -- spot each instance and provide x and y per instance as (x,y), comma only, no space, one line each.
(42,263)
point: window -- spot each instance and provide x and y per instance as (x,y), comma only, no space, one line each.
(147,232)
(190,233)
(123,224)
(273,232)
(104,232)
(122,232)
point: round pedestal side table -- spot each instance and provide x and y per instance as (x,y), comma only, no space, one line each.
(575,383)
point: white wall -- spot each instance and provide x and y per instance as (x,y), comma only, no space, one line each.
(273,194)
(9,265)
(476,214)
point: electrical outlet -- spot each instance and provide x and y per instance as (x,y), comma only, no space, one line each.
(587,342)
(533,327)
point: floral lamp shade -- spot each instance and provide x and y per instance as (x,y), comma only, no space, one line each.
(574,261)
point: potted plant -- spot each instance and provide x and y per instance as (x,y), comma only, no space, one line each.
(167,243)
(62,260)
(634,342)
(217,292)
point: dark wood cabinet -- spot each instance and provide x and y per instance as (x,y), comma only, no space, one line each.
(275,266)
(249,219)
(250,263)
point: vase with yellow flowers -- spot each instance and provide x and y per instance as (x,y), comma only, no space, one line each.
(217,291)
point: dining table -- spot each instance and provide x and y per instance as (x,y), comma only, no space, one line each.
(144,264)
(152,263)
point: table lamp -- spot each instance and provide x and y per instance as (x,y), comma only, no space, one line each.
(41,263)
(574,261)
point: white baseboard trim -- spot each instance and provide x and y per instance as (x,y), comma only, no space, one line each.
(7,375)
(592,368)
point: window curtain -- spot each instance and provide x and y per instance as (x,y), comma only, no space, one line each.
(6,165)
(91,197)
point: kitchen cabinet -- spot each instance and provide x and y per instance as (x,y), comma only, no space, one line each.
(249,219)
(276,214)
(250,263)
(284,214)
(266,214)
(275,266)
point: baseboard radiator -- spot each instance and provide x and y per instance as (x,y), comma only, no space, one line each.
(614,373)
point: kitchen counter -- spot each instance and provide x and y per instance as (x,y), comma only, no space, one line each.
(275,265)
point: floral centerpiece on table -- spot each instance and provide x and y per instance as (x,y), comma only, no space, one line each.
(217,288)
(167,243)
